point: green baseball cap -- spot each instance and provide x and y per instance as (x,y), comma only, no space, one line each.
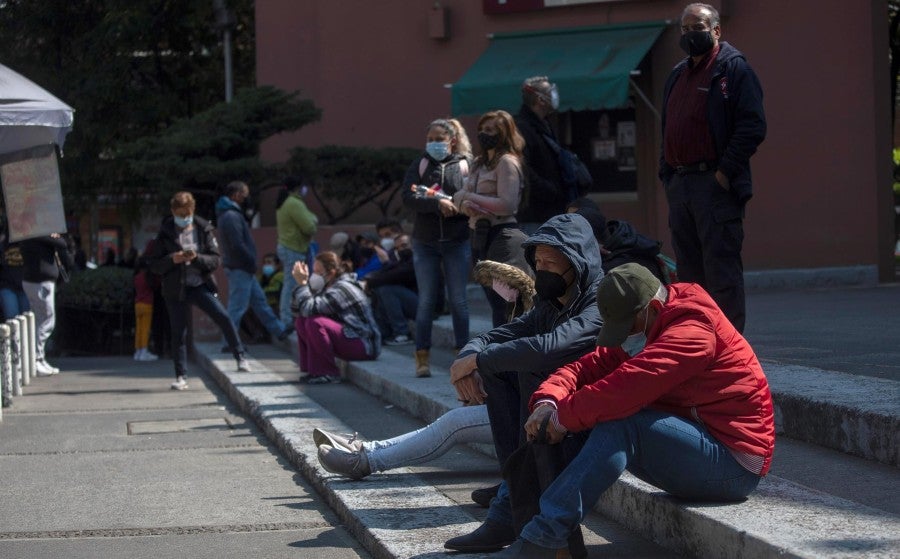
(621,295)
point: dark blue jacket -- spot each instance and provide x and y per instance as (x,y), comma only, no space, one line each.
(547,336)
(735,114)
(238,249)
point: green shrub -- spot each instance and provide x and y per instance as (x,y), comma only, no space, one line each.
(108,289)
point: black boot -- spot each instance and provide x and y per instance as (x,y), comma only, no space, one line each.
(485,495)
(524,549)
(490,536)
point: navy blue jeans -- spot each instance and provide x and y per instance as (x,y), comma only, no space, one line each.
(450,259)
(394,306)
(670,452)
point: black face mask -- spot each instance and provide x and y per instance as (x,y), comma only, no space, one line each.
(550,285)
(696,43)
(488,141)
(367,252)
(405,254)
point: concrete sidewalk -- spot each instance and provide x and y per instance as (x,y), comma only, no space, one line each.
(104,460)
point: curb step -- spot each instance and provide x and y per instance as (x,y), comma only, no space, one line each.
(394,516)
(781,518)
(849,413)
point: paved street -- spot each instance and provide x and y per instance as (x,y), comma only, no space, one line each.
(104,460)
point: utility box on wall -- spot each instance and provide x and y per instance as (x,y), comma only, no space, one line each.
(439,22)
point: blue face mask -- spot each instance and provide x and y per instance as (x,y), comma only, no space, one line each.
(634,344)
(183,221)
(438,150)
(268,269)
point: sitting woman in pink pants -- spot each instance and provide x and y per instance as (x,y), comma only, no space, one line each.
(334,319)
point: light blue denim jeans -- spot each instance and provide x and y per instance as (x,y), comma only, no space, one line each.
(468,424)
(428,259)
(288,257)
(245,292)
(670,452)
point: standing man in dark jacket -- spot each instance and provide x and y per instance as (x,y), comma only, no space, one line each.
(239,260)
(712,122)
(543,177)
(41,258)
(510,362)
(185,253)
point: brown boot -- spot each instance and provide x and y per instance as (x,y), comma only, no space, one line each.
(422,368)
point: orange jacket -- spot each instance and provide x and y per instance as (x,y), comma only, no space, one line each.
(695,365)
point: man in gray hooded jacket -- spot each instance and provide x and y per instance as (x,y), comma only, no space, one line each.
(503,367)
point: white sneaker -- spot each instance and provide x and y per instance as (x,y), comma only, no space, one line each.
(137,354)
(145,355)
(179,384)
(43,369)
(52,368)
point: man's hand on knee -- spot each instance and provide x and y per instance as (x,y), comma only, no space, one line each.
(470,390)
(463,367)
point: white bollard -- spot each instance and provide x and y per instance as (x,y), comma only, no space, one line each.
(22,351)
(14,359)
(30,359)
(6,380)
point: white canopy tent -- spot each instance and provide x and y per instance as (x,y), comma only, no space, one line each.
(29,115)
(32,122)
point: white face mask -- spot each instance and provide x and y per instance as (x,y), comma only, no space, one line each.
(387,244)
(506,292)
(554,98)
(316,283)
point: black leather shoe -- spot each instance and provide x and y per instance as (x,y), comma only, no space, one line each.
(490,536)
(485,495)
(524,549)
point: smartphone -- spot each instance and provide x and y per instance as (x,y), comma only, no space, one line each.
(190,253)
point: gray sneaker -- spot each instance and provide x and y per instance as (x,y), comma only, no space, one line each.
(354,465)
(323,438)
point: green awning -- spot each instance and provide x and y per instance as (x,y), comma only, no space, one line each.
(591,66)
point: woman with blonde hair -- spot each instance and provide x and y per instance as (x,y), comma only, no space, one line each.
(491,196)
(333,319)
(440,238)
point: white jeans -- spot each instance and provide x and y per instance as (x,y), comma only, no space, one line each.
(467,424)
(41,298)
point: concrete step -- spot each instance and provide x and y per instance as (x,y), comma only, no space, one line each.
(782,518)
(409,512)
(850,413)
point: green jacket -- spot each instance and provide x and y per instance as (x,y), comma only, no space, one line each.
(296,224)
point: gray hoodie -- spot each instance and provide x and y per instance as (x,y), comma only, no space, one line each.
(548,337)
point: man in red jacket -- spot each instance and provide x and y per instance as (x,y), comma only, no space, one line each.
(673,393)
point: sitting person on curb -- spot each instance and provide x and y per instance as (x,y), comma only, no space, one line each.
(351,457)
(673,393)
(271,279)
(334,319)
(510,362)
(394,294)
